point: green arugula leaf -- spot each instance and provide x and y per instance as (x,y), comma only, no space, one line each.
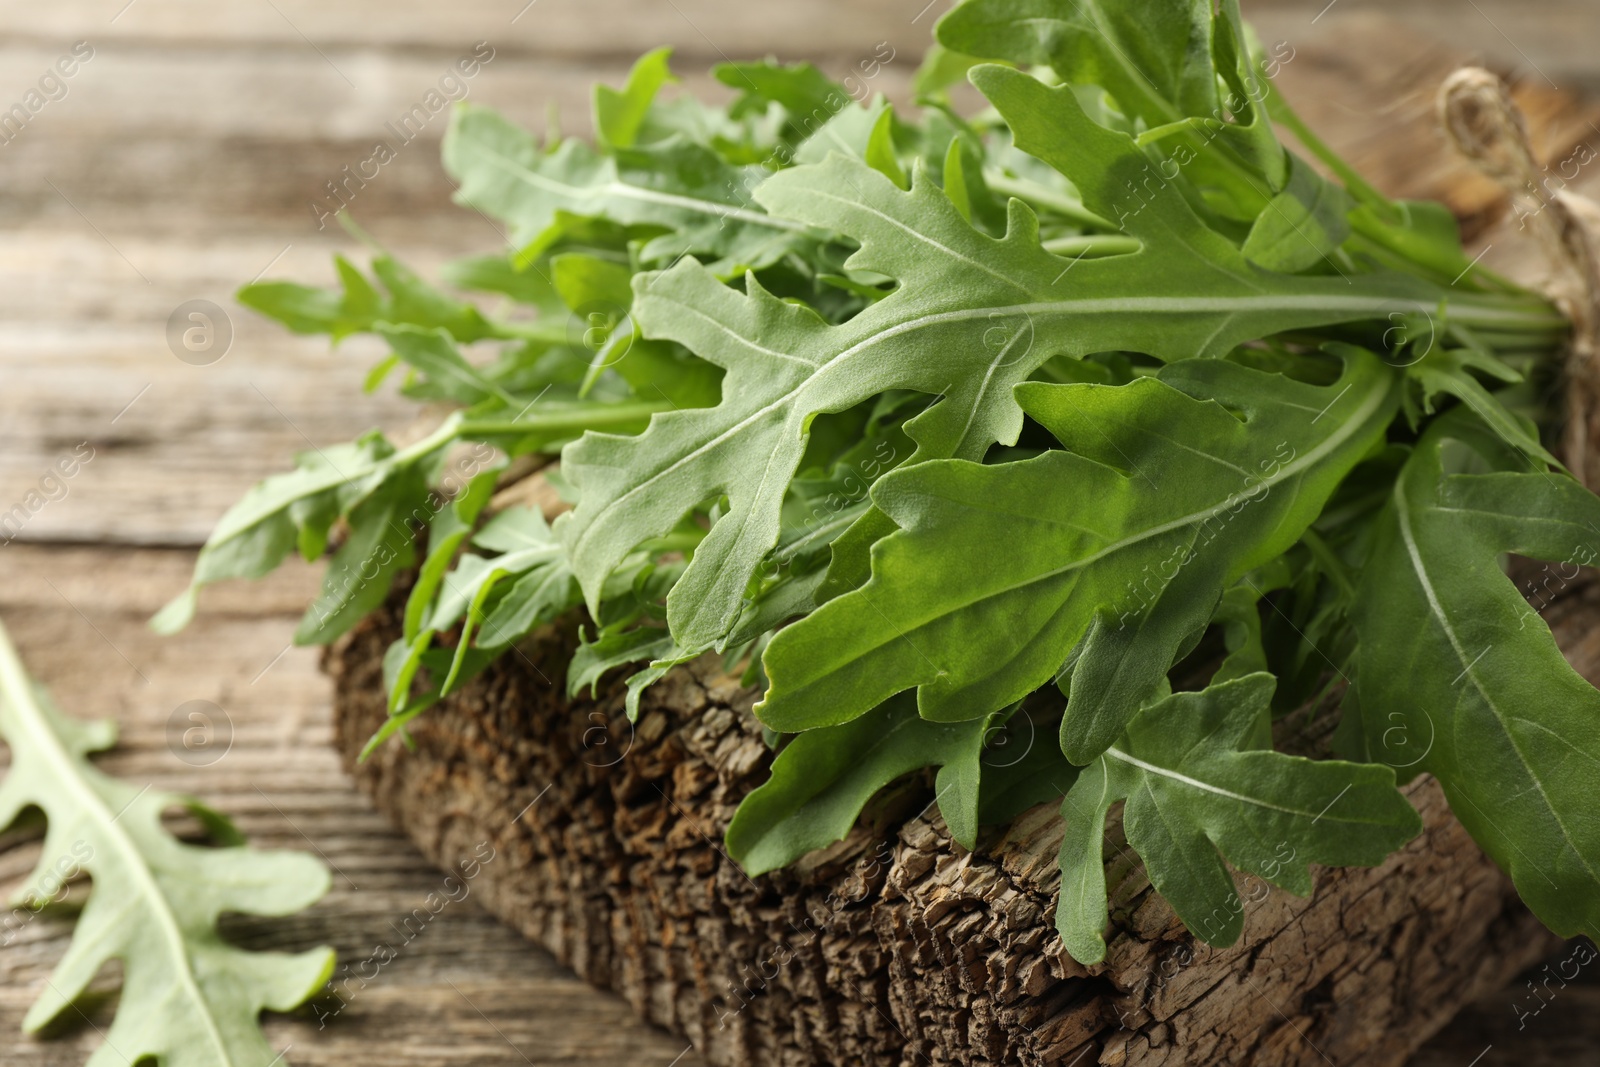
(615,648)
(528,284)
(493,600)
(1302,225)
(808,97)
(258,532)
(1449,371)
(1458,676)
(1174,499)
(380,545)
(448,531)
(848,131)
(686,190)
(1154,56)
(1181,70)
(823,778)
(1199,778)
(433,353)
(359,307)
(1022,766)
(188,997)
(619,115)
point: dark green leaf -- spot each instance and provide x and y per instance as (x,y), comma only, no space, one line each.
(1201,783)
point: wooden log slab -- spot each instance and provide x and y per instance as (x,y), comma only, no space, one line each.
(898,946)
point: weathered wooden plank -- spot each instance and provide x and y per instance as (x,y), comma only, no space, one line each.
(1558,42)
(166,444)
(705,28)
(200,99)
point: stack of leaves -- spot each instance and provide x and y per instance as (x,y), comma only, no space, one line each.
(954,428)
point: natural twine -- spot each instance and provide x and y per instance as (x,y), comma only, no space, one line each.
(1486,126)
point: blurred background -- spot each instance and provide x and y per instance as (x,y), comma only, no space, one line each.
(191,151)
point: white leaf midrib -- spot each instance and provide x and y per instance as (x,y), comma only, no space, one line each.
(618,188)
(1200,784)
(1469,664)
(17,690)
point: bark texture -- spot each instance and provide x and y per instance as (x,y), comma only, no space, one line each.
(898,946)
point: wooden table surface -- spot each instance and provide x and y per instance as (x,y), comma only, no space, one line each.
(182,163)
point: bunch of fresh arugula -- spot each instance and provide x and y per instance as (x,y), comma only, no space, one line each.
(958,428)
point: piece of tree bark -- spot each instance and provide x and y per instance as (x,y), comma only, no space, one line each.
(898,946)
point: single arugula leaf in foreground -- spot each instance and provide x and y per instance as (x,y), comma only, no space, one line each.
(821,781)
(1161,499)
(1458,676)
(188,997)
(1200,778)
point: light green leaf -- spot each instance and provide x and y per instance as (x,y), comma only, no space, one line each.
(297,507)
(474,574)
(1449,372)
(434,354)
(447,531)
(618,115)
(846,131)
(359,308)
(514,529)
(1181,70)
(615,648)
(188,997)
(639,681)
(940,69)
(803,91)
(880,154)
(1154,56)
(380,545)
(529,284)
(685,189)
